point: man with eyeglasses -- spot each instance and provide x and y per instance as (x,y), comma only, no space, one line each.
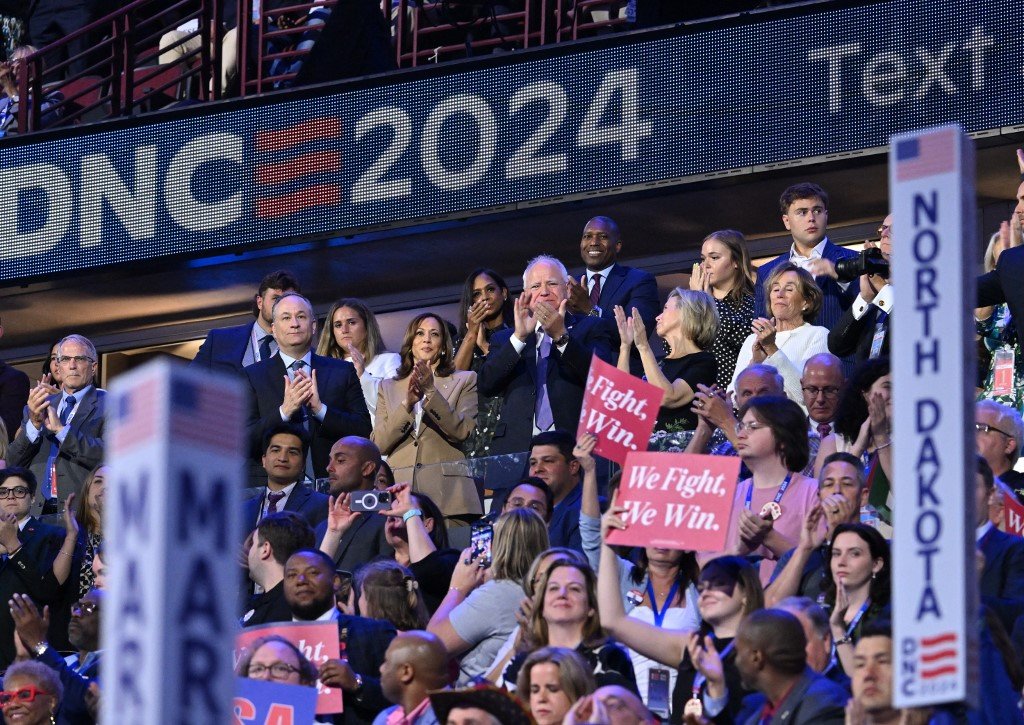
(531,493)
(61,436)
(822,381)
(863,330)
(28,548)
(77,671)
(999,433)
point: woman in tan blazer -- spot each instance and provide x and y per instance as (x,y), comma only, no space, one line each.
(424,414)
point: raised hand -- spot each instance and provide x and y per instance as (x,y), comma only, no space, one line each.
(401,500)
(753,528)
(612,519)
(296,394)
(522,316)
(356,358)
(710,404)
(811,535)
(425,376)
(706,659)
(579,298)
(764,330)
(550,318)
(39,401)
(639,331)
(699,280)
(340,514)
(70,522)
(28,623)
(314,401)
(625,328)
(583,452)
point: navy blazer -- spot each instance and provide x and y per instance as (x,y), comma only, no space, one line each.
(74,709)
(1002,578)
(224,349)
(27,573)
(629,287)
(854,337)
(79,454)
(14,386)
(512,376)
(813,699)
(365,642)
(339,390)
(834,302)
(307,503)
(1003,284)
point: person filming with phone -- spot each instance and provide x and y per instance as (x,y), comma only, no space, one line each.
(479,611)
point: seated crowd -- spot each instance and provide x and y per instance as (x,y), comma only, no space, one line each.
(465,600)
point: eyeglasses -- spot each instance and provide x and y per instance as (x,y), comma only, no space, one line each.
(278,670)
(80,359)
(16,492)
(80,608)
(749,427)
(813,392)
(980,427)
(23,694)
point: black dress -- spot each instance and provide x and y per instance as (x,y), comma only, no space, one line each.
(696,368)
(683,690)
(734,321)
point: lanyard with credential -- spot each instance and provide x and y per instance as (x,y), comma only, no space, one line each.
(699,678)
(659,616)
(857,617)
(778,496)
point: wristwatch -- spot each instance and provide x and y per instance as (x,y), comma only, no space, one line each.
(40,648)
(561,340)
(359,684)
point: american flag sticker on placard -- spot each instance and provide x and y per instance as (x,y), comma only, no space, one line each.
(926,155)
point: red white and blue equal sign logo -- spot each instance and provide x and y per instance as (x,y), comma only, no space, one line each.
(273,172)
(926,155)
(937,656)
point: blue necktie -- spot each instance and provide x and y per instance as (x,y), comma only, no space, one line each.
(265,347)
(544,417)
(69,405)
(296,366)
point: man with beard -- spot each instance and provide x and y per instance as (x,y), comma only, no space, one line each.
(310,587)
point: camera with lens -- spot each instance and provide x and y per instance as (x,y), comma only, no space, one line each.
(367,501)
(869,261)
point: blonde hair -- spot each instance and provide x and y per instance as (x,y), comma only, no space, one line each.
(809,289)
(698,316)
(574,674)
(373,345)
(519,536)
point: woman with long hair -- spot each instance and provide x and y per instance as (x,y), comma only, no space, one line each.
(551,680)
(479,611)
(787,339)
(388,591)
(857,584)
(564,614)
(771,505)
(725,273)
(425,413)
(703,658)
(688,325)
(485,308)
(351,333)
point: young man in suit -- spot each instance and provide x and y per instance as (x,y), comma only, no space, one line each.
(540,367)
(310,586)
(231,349)
(276,538)
(285,447)
(320,394)
(61,437)
(804,210)
(1002,574)
(609,283)
(355,537)
(28,547)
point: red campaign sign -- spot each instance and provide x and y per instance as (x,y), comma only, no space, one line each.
(1013,514)
(619,409)
(676,501)
(319,641)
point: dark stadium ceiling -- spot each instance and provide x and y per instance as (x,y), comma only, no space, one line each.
(178,300)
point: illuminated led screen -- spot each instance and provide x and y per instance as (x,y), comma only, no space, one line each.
(534,129)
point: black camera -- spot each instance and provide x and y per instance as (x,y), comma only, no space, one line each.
(370,501)
(869,261)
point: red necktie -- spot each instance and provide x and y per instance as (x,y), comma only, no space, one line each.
(595,291)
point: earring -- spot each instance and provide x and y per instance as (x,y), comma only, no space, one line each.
(874,574)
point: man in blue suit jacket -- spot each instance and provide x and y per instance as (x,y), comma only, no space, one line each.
(285,447)
(532,405)
(1002,576)
(805,213)
(608,283)
(230,349)
(320,394)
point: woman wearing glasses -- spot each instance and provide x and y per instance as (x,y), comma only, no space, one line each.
(275,658)
(32,694)
(771,505)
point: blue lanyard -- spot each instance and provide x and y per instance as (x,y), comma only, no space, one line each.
(659,616)
(699,678)
(778,496)
(858,616)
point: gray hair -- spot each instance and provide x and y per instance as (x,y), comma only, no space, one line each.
(81,340)
(766,370)
(811,609)
(545,259)
(286,295)
(1008,417)
(44,677)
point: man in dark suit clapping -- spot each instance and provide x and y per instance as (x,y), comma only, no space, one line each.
(319,394)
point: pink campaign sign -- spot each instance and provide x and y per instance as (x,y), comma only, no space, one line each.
(619,409)
(676,501)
